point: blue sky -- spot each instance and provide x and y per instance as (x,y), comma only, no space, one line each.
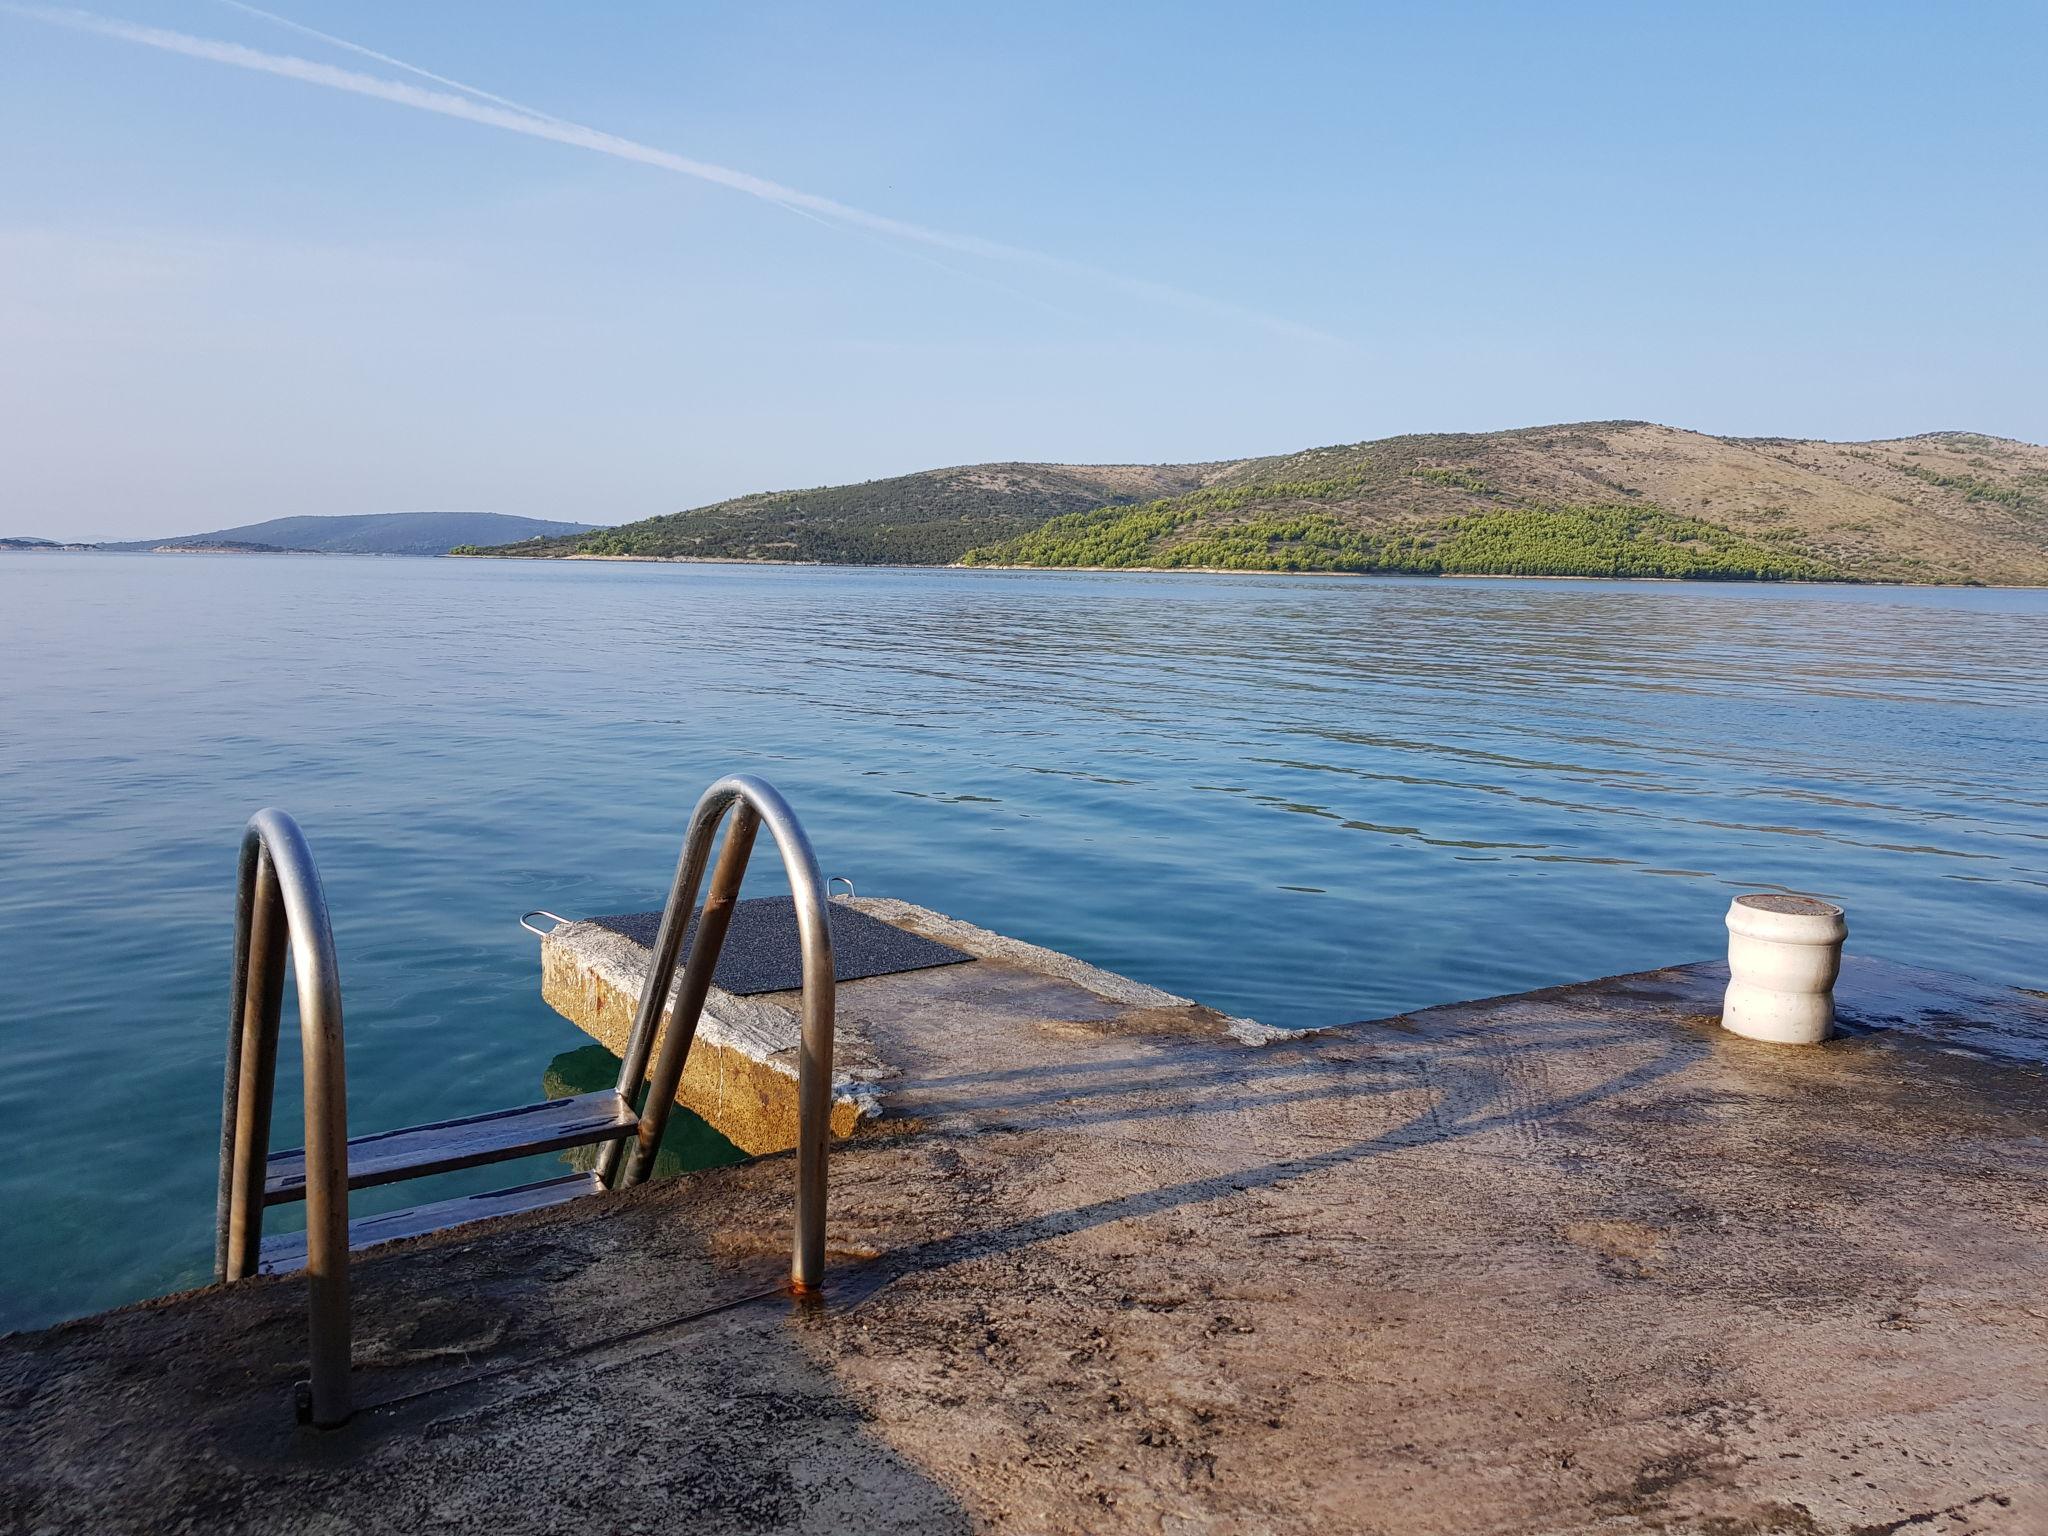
(1220,230)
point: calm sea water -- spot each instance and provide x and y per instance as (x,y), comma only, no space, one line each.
(1302,800)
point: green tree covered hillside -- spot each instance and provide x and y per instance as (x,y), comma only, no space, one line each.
(931,518)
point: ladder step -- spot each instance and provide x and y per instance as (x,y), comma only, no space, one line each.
(418,1150)
(287,1250)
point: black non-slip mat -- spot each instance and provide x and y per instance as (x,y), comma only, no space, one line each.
(761,952)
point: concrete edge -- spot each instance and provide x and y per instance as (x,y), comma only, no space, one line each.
(986,945)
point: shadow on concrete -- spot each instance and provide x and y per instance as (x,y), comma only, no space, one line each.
(624,1373)
(1480,1060)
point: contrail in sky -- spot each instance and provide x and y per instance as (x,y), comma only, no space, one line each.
(497,112)
(547,117)
(384,58)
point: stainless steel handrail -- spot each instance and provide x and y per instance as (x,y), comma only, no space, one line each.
(279,905)
(752,803)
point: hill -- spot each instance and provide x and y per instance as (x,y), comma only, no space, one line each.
(930,518)
(1594,499)
(1589,499)
(374,533)
(24,544)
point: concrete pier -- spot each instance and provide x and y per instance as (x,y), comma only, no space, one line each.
(741,1073)
(1106,1260)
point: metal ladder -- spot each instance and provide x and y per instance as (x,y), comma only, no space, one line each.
(280,909)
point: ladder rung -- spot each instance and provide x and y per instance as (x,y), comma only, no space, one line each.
(418,1150)
(287,1250)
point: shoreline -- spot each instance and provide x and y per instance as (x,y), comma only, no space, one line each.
(1090,570)
(1217,570)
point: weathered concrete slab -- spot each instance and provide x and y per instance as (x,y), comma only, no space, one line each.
(741,1074)
(1571,1261)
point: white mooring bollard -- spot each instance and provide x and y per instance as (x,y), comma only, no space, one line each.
(1784,953)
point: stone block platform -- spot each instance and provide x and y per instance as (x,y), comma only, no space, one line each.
(1105,1260)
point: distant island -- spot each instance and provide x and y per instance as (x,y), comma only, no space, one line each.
(373,533)
(25,545)
(1618,498)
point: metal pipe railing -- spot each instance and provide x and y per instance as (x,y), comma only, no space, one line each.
(753,803)
(280,906)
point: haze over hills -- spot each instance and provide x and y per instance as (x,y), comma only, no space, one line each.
(1586,499)
(372,533)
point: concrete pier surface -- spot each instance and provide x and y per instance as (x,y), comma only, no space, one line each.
(1105,1260)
